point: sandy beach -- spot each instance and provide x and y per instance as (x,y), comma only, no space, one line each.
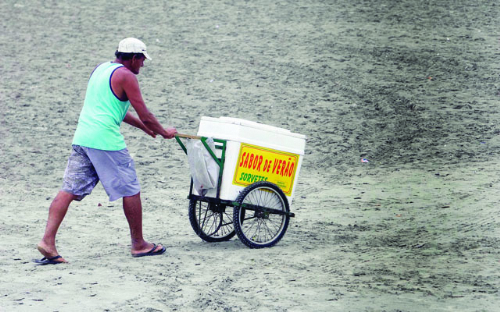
(413,87)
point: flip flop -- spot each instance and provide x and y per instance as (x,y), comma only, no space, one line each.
(152,252)
(45,261)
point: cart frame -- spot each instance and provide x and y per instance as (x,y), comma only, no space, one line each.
(218,205)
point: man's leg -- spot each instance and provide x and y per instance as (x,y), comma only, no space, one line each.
(57,211)
(132,208)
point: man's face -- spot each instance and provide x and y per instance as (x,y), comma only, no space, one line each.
(137,63)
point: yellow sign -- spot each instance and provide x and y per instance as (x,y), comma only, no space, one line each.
(257,163)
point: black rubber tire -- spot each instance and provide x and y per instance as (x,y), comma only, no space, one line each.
(262,194)
(209,225)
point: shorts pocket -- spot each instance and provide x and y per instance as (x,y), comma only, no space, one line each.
(127,172)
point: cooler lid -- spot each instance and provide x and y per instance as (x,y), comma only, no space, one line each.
(255,125)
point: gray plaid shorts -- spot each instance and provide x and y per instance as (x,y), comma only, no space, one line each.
(87,166)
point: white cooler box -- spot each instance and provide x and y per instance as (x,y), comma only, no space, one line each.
(255,152)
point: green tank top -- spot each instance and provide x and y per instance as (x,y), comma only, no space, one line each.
(102,113)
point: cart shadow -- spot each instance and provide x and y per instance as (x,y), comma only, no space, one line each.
(201,245)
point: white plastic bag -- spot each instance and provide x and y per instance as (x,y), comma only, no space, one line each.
(204,169)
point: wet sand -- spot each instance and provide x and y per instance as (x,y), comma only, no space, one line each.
(412,87)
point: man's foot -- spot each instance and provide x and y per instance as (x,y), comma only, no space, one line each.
(49,253)
(45,261)
(152,250)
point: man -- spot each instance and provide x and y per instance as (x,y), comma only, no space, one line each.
(99,150)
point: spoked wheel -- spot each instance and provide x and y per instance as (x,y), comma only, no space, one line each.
(212,222)
(261,217)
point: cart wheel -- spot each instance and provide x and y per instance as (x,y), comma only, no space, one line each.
(258,228)
(212,222)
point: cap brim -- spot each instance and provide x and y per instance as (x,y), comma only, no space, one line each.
(147,55)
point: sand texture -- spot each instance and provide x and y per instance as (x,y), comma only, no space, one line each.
(411,86)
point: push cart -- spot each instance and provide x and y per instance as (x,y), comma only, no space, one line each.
(259,215)
(258,167)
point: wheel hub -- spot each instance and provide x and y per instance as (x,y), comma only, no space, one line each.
(262,214)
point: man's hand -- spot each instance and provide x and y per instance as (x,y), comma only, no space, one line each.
(169,133)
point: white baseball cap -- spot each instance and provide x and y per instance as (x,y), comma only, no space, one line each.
(133,45)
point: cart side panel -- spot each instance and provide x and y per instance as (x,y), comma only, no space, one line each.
(231,190)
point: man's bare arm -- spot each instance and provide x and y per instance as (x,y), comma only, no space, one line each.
(136,122)
(131,88)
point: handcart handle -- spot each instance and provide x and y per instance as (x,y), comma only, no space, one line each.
(187,136)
